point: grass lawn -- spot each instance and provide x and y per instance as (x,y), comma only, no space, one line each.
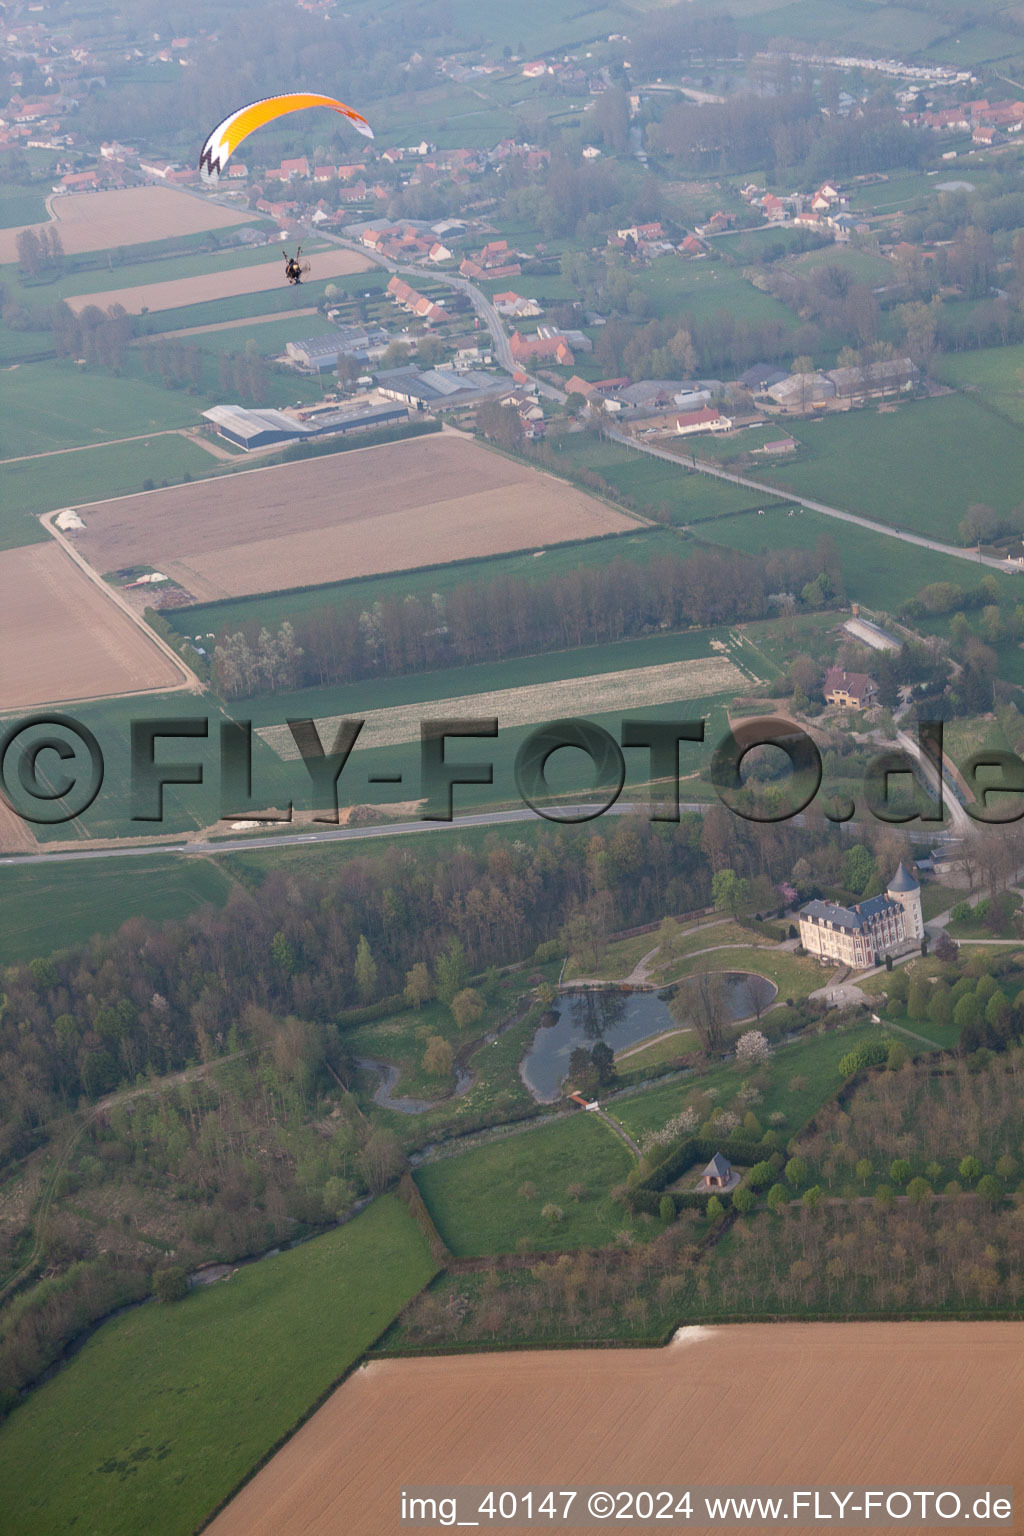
(802,1076)
(919,467)
(697,290)
(72,479)
(793,975)
(97,898)
(401,1040)
(166,1408)
(474,1201)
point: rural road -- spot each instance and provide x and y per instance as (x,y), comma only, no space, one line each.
(326,835)
(777,493)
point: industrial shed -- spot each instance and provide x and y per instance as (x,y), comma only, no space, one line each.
(259,429)
(251,428)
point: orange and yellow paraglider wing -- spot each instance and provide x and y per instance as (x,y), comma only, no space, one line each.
(227,136)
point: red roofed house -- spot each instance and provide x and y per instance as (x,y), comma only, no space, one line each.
(708,419)
(324,173)
(551,348)
(290,169)
(79,180)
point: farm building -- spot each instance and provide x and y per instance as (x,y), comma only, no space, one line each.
(320,354)
(262,428)
(874,378)
(797,391)
(439,388)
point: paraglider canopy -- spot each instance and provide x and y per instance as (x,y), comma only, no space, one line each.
(227,136)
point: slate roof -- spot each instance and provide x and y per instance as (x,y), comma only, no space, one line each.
(903,880)
(719,1165)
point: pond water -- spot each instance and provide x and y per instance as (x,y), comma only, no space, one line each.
(618,1018)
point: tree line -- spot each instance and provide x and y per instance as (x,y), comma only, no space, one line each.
(509,616)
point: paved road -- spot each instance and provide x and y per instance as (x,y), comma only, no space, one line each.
(325,835)
(777,493)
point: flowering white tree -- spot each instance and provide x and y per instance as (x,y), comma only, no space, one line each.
(752,1049)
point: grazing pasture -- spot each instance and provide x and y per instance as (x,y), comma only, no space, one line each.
(394,507)
(922,1405)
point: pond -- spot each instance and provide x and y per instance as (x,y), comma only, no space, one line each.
(620,1019)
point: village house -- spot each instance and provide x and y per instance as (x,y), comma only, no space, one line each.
(707,419)
(514,306)
(859,935)
(850,690)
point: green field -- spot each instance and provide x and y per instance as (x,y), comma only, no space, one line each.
(92,474)
(697,290)
(474,1199)
(654,486)
(21,205)
(919,467)
(269,339)
(167,1408)
(996,374)
(813,1063)
(59,405)
(877,570)
(97,896)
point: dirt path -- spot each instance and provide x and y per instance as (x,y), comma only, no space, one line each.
(110,442)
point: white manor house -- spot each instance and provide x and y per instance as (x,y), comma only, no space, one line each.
(862,935)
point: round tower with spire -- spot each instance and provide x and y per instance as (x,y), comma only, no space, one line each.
(905,889)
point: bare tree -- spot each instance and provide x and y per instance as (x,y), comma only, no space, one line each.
(758,993)
(701,1005)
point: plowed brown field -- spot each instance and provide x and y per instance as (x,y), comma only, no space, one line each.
(64,638)
(421,502)
(851,1405)
(99,221)
(225,284)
